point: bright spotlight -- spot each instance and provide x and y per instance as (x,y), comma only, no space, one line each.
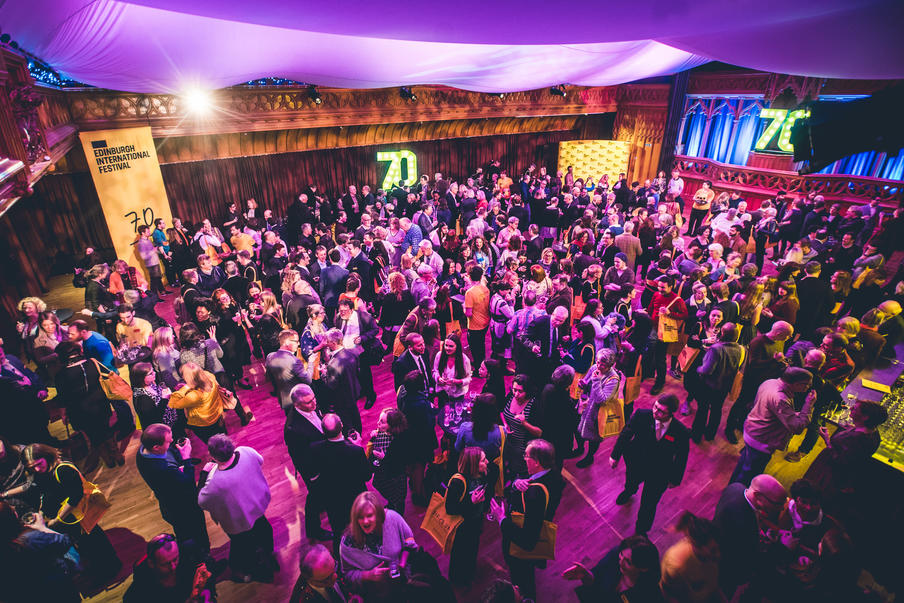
(198,102)
(558,90)
(408,94)
(314,95)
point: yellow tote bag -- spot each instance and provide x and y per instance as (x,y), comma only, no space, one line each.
(440,525)
(546,544)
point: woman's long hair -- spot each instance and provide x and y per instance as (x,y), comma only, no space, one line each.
(469,462)
(196,377)
(362,502)
(751,297)
(457,355)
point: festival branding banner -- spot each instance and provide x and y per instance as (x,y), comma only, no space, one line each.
(593,158)
(129,184)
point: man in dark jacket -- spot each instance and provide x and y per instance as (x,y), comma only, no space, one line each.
(738,514)
(340,472)
(168,573)
(537,498)
(412,359)
(815,295)
(332,283)
(303,429)
(285,369)
(720,365)
(655,446)
(359,264)
(168,471)
(342,381)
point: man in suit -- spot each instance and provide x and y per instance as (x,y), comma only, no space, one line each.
(412,359)
(341,471)
(341,379)
(655,446)
(168,471)
(285,369)
(737,515)
(318,580)
(332,283)
(304,428)
(541,493)
(629,244)
(543,337)
(363,267)
(359,333)
(814,294)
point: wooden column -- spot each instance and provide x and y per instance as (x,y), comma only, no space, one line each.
(641,120)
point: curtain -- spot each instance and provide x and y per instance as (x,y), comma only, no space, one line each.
(867,164)
(204,189)
(746,137)
(693,135)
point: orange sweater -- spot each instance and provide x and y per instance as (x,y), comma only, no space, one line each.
(202,409)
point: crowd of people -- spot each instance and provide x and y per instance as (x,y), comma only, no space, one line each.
(558,294)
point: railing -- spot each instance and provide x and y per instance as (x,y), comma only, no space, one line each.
(834,187)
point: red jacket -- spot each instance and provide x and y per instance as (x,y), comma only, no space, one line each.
(678,310)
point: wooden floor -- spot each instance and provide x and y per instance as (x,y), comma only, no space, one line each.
(590,522)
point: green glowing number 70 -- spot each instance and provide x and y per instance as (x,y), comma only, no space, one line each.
(781,119)
(394,173)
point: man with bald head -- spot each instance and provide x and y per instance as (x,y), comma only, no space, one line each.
(738,515)
(304,427)
(340,471)
(318,579)
(766,360)
(773,420)
(892,327)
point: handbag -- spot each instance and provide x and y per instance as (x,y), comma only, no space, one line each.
(675,348)
(611,417)
(632,384)
(668,327)
(114,386)
(228,399)
(438,523)
(90,508)
(686,357)
(545,549)
(735,390)
(578,305)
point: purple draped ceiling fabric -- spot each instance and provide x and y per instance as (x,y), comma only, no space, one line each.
(499,46)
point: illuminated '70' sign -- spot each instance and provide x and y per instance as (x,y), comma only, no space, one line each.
(402,169)
(780,119)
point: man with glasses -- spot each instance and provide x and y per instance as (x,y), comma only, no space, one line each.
(285,368)
(318,579)
(169,572)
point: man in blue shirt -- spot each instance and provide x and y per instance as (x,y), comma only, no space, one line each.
(94,344)
(167,469)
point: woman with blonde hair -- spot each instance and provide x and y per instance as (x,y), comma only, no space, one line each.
(374,540)
(269,324)
(165,356)
(289,277)
(203,401)
(29,323)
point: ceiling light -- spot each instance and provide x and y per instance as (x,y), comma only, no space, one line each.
(198,102)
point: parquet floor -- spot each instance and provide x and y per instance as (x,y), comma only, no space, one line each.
(589,520)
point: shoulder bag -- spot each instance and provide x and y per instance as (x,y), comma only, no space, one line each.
(545,549)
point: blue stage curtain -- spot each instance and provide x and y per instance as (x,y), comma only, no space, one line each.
(694,133)
(893,168)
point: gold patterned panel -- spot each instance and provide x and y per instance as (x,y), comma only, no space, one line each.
(594,157)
